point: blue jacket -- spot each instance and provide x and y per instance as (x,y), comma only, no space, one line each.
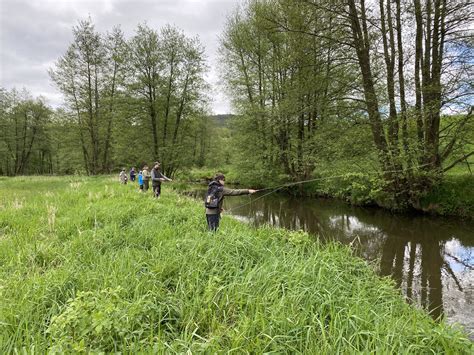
(140,179)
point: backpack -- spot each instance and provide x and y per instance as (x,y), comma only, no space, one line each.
(213,196)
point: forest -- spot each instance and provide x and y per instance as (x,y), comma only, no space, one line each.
(381,91)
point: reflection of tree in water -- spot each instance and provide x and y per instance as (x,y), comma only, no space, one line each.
(415,256)
(430,264)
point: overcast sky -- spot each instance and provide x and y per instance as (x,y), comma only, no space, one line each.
(35,33)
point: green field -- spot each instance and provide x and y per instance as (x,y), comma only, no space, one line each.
(88,265)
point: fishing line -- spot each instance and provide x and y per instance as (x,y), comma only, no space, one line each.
(276,188)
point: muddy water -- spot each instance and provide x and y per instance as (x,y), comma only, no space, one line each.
(431,259)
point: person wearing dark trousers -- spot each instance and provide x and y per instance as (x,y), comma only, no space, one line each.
(215,200)
(133,174)
(156,178)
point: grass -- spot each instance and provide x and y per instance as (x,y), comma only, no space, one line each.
(453,196)
(88,265)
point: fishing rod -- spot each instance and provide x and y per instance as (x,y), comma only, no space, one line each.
(276,188)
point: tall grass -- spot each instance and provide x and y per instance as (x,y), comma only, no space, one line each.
(87,265)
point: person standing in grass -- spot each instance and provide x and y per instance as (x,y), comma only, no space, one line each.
(123,177)
(156,178)
(215,200)
(132,174)
(140,181)
(146,177)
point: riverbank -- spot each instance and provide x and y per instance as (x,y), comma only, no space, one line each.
(88,264)
(454,196)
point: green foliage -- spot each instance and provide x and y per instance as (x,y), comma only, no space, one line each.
(25,142)
(88,265)
(167,89)
(355,188)
(98,320)
(285,86)
(454,195)
(301,79)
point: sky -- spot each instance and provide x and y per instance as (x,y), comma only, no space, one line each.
(35,33)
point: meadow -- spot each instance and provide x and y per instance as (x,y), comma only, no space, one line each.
(88,265)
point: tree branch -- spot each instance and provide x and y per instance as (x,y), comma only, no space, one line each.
(457,161)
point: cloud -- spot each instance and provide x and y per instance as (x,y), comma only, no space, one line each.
(34,34)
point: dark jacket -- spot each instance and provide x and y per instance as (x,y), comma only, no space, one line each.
(156,177)
(225,192)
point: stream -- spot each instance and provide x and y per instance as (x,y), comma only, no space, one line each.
(431,259)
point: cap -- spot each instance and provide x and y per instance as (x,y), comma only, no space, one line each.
(219,176)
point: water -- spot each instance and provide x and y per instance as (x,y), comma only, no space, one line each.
(431,259)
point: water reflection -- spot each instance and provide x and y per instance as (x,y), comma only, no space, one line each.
(431,259)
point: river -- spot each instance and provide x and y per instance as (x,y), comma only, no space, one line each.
(431,259)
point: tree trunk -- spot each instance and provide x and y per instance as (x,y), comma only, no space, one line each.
(105,162)
(401,80)
(418,88)
(151,106)
(389,56)
(360,39)
(168,102)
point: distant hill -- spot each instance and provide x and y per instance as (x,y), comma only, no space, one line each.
(222,120)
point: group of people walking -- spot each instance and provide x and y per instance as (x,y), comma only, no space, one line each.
(144,177)
(214,200)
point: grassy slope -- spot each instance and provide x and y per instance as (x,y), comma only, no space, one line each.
(86,264)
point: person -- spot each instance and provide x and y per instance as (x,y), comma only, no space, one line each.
(146,177)
(123,177)
(156,178)
(215,200)
(132,174)
(140,181)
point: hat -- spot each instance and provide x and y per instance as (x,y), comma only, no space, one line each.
(219,176)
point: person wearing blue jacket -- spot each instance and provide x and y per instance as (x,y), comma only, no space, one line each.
(140,180)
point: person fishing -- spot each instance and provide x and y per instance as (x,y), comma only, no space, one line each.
(156,178)
(215,200)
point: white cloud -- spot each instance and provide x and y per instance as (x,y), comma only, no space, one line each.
(34,34)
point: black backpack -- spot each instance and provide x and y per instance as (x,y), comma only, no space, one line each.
(213,196)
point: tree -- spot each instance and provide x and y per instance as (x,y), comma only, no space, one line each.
(166,79)
(286,84)
(23,122)
(442,24)
(88,76)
